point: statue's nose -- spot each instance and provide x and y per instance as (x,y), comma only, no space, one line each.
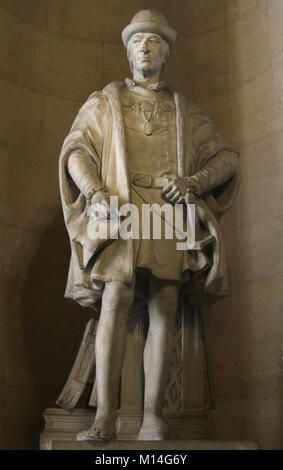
(145,47)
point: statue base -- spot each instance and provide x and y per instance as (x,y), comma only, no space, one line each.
(61,428)
(153,445)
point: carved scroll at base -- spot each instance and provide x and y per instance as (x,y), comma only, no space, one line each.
(82,371)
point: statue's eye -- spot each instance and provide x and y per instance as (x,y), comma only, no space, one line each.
(156,40)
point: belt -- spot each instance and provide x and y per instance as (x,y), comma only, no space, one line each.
(148,181)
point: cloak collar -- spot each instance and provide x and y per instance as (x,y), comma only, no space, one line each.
(158,86)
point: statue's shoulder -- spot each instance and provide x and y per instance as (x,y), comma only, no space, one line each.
(97,99)
(191,107)
(196,114)
(101,98)
(97,104)
(94,107)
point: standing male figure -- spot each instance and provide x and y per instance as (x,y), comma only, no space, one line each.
(143,142)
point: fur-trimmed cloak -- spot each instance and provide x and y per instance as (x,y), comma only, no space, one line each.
(99,132)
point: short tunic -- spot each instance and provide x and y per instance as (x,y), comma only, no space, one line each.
(155,155)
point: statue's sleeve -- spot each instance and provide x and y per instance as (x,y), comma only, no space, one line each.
(80,158)
(80,161)
(216,171)
(84,173)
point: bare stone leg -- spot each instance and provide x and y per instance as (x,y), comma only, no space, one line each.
(110,347)
(162,306)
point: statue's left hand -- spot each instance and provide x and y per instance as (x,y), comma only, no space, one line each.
(174,192)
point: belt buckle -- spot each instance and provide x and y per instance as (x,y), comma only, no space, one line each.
(142,180)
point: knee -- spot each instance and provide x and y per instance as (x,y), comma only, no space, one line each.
(162,315)
(117,296)
(166,303)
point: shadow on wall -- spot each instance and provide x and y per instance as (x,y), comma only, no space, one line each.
(52,325)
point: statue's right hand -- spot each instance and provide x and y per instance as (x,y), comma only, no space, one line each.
(100,203)
(101,197)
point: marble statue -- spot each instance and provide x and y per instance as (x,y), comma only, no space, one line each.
(143,142)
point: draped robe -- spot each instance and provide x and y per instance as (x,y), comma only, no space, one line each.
(99,134)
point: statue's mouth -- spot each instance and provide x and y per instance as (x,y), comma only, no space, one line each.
(145,59)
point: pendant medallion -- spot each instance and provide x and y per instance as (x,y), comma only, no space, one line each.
(147,129)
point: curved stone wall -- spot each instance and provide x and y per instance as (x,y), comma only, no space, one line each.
(235,68)
(52,56)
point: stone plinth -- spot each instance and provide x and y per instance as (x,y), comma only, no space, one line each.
(62,426)
(155,445)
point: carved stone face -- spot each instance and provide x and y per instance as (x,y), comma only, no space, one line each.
(147,53)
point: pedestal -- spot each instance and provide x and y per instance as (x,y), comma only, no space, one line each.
(62,426)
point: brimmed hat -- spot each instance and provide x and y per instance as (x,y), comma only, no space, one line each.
(149,21)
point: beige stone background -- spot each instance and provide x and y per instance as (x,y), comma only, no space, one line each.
(228,58)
